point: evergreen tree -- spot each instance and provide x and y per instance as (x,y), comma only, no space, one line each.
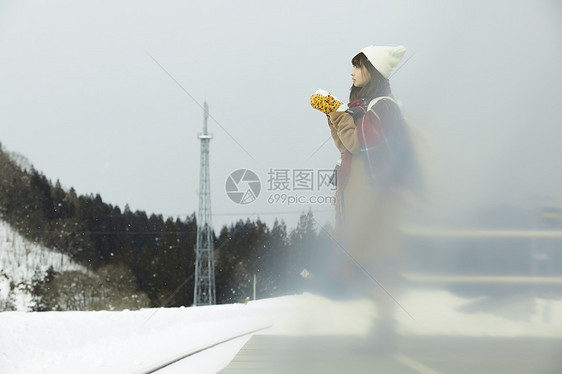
(223,266)
(171,268)
(40,283)
(232,277)
(145,271)
(275,261)
(301,252)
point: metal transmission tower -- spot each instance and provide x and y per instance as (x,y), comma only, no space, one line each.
(204,292)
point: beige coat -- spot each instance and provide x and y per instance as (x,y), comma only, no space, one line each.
(370,216)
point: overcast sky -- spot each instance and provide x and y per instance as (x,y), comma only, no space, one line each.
(83,99)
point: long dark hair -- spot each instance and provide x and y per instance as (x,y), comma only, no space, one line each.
(377,86)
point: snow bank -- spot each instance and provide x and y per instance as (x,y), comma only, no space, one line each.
(118,342)
(130,341)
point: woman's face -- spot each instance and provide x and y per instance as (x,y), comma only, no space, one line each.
(360,76)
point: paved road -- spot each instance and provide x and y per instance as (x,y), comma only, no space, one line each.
(427,355)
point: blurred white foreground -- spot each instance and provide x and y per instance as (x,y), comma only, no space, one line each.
(130,341)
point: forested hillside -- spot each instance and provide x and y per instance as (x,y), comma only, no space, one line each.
(132,256)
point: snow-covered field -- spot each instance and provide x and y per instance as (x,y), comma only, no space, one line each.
(133,341)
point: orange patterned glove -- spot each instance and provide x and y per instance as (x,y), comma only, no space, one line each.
(324,102)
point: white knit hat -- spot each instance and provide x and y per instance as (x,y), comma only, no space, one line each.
(384,59)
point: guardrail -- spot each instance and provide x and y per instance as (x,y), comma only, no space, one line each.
(443,278)
(444,233)
(432,232)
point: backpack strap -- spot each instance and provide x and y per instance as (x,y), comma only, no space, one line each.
(376,99)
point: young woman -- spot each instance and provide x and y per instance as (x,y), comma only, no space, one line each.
(377,164)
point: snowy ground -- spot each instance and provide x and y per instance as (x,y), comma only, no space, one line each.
(133,341)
